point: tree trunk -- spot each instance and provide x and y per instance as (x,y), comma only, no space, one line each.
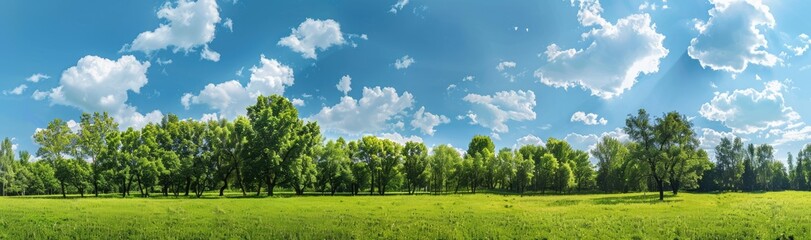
(63,188)
(661,185)
(241,181)
(188,186)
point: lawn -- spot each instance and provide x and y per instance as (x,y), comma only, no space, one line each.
(614,216)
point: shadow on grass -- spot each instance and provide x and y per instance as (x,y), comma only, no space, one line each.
(650,199)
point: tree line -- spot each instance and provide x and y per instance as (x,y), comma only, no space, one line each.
(273,148)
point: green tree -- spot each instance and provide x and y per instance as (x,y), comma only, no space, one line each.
(92,141)
(480,152)
(548,169)
(443,164)
(302,171)
(729,163)
(611,156)
(415,165)
(524,173)
(583,170)
(505,167)
(564,178)
(334,166)
(54,142)
(7,168)
(662,146)
(277,140)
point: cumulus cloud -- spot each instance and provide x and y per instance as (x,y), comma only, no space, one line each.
(312,35)
(710,138)
(588,119)
(529,139)
(402,140)
(345,84)
(398,6)
(188,25)
(468,78)
(586,142)
(617,55)
(374,109)
(493,111)
(403,62)
(231,98)
(37,77)
(207,117)
(748,111)
(504,65)
(297,102)
(98,84)
(426,121)
(731,39)
(793,135)
(17,90)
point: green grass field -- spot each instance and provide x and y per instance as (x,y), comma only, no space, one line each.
(615,216)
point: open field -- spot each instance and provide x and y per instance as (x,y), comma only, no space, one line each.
(686,216)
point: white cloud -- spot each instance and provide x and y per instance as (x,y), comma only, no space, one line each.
(98,84)
(800,49)
(493,111)
(17,90)
(504,65)
(210,55)
(402,140)
(403,62)
(468,78)
(345,84)
(376,107)
(731,39)
(74,126)
(617,55)
(210,117)
(529,139)
(37,77)
(163,62)
(589,141)
(297,102)
(748,111)
(188,25)
(398,6)
(793,135)
(228,23)
(312,35)
(450,88)
(588,119)
(710,138)
(39,95)
(426,121)
(231,98)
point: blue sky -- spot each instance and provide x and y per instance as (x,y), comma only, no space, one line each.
(433,71)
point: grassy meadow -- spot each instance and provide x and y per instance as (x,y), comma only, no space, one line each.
(613,216)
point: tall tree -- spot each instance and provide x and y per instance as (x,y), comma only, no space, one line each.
(610,154)
(548,168)
(415,165)
(480,151)
(524,172)
(276,139)
(660,145)
(92,137)
(729,163)
(334,166)
(55,141)
(443,164)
